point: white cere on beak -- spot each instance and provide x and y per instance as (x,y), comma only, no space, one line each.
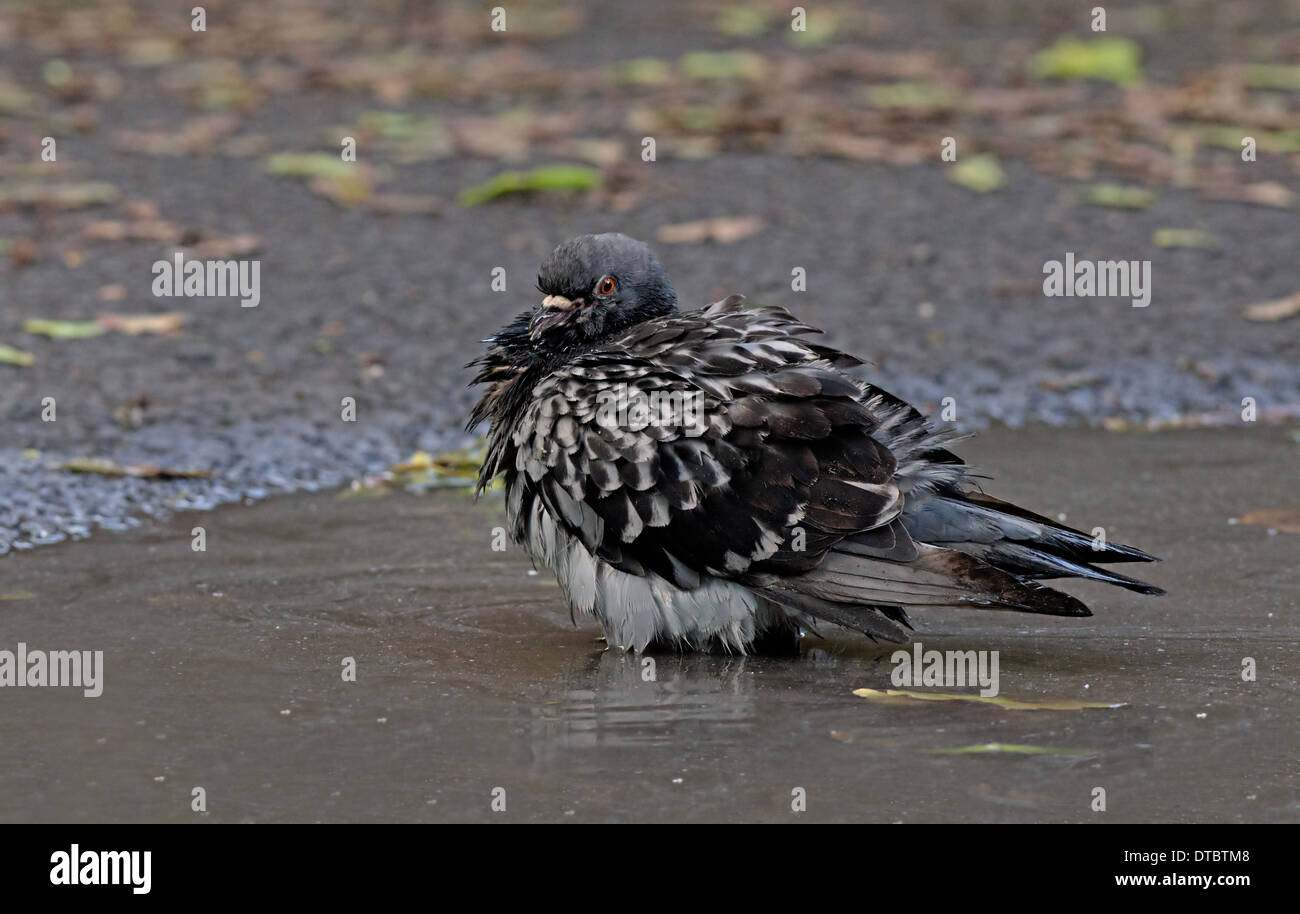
(556,303)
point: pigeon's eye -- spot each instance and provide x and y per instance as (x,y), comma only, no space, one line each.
(606,286)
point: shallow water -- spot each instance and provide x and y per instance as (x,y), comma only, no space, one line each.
(223,670)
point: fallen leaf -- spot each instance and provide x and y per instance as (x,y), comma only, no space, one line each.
(151,52)
(743,21)
(722,229)
(308,165)
(138,470)
(420,460)
(423,471)
(58,196)
(17,595)
(11,356)
(643,71)
(604,153)
(1277,310)
(136,230)
(1286,520)
(911,697)
(980,173)
(710,65)
(546,178)
(351,189)
(919,96)
(105,230)
(195,137)
(1265,193)
(224,247)
(63,330)
(1185,238)
(166,324)
(1116,60)
(845,146)
(1011,749)
(1119,196)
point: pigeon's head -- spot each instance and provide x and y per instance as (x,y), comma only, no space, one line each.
(595,286)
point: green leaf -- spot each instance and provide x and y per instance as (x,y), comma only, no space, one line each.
(980,173)
(1185,238)
(920,95)
(63,330)
(308,165)
(1119,196)
(1116,60)
(711,65)
(743,21)
(643,71)
(546,178)
(11,356)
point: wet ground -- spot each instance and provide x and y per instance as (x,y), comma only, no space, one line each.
(223,670)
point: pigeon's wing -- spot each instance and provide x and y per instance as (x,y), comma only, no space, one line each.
(723,443)
(714,443)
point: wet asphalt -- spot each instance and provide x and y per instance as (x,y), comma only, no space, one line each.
(938,287)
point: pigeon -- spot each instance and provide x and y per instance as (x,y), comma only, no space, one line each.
(716,480)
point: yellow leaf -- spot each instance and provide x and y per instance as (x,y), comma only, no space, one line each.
(910,697)
(166,324)
(1277,310)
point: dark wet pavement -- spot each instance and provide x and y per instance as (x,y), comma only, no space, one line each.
(939,287)
(223,670)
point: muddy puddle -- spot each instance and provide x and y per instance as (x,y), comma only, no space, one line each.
(224,670)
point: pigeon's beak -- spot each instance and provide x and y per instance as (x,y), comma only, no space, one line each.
(555,310)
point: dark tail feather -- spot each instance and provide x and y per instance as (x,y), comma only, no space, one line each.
(872,595)
(1028,562)
(1025,544)
(1064,541)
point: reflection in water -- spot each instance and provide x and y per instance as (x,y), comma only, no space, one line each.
(617,699)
